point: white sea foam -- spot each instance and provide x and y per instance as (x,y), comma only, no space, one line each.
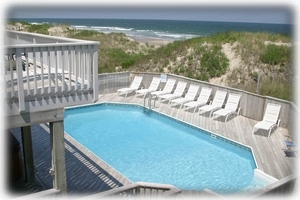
(81,27)
(38,23)
(137,33)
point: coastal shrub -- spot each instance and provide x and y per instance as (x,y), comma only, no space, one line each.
(224,37)
(16,22)
(277,88)
(40,28)
(121,58)
(275,54)
(83,33)
(214,61)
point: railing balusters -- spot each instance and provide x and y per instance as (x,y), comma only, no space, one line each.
(63,66)
(56,68)
(81,61)
(76,66)
(20,80)
(84,66)
(42,70)
(70,63)
(11,72)
(35,92)
(89,64)
(46,77)
(27,71)
(49,69)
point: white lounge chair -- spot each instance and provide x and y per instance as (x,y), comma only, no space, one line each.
(270,119)
(133,87)
(216,104)
(153,87)
(179,90)
(190,96)
(201,101)
(231,106)
(167,89)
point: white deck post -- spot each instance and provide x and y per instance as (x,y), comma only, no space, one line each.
(58,169)
(95,74)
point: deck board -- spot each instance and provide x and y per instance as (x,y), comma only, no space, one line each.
(86,173)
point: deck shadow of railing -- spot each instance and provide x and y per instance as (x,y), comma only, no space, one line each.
(84,176)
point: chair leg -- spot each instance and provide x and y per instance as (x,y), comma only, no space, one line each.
(195,109)
(226,118)
(271,130)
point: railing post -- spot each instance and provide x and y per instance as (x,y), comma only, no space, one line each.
(58,169)
(95,73)
(20,80)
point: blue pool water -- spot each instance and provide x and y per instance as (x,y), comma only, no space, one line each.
(151,147)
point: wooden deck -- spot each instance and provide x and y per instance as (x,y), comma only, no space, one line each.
(86,174)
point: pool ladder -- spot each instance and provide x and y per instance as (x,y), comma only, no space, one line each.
(149,102)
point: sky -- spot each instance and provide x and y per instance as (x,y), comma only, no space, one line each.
(230,12)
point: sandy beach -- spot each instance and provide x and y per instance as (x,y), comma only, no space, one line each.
(150,41)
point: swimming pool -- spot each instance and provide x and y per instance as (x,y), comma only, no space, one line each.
(152,147)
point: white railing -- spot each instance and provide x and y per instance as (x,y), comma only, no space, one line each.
(139,189)
(58,74)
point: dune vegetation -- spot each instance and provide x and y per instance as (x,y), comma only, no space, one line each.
(233,59)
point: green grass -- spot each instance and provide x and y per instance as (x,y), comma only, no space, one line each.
(275,54)
(213,61)
(16,22)
(41,29)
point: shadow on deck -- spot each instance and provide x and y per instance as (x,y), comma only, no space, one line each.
(84,176)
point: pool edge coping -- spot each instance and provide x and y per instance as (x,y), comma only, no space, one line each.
(173,118)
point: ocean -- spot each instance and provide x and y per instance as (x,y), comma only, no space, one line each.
(163,29)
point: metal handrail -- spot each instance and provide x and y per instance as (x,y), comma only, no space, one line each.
(150,98)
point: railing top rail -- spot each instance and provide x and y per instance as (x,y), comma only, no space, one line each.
(52,44)
(56,40)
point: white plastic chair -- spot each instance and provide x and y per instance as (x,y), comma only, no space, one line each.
(179,90)
(201,101)
(167,89)
(190,96)
(133,87)
(270,119)
(153,87)
(231,106)
(216,104)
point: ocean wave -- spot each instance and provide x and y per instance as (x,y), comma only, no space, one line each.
(137,33)
(115,28)
(175,35)
(80,26)
(39,23)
